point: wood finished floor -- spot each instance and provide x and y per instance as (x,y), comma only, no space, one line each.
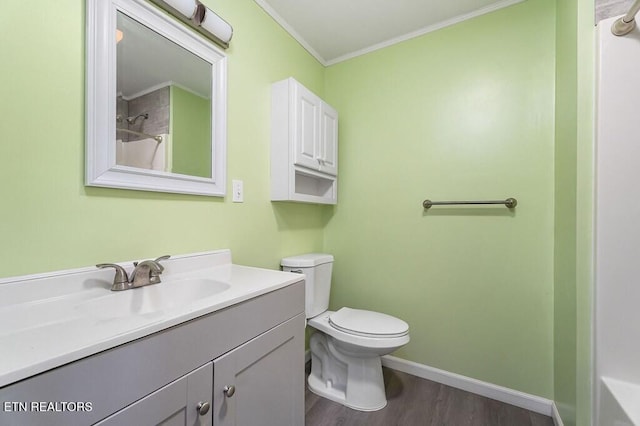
(412,401)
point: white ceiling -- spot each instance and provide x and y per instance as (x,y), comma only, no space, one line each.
(336,30)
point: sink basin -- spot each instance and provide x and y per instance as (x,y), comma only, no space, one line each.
(28,316)
(49,320)
(153,299)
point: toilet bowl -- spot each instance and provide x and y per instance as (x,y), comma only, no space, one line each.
(346,365)
(348,343)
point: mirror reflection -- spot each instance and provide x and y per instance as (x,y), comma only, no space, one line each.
(163,105)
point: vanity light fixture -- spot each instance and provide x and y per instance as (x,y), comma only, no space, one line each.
(119,36)
(216,25)
(200,18)
(186,7)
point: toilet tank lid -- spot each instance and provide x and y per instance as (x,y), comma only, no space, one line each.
(307,260)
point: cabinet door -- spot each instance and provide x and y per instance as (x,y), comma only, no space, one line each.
(307,127)
(176,404)
(267,378)
(328,149)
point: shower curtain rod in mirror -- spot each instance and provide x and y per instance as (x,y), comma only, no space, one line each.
(133,132)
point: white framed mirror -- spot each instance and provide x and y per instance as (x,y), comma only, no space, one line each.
(156,102)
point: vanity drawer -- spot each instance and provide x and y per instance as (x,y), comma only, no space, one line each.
(115,378)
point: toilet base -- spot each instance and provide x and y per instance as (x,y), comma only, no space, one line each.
(353,381)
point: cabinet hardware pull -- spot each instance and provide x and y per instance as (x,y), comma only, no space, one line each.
(229,391)
(203,408)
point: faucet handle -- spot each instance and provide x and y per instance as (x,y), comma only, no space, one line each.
(120,280)
(157,261)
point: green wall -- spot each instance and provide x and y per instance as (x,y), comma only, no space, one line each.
(585,173)
(573,283)
(49,220)
(565,331)
(466,112)
(190,133)
(493,107)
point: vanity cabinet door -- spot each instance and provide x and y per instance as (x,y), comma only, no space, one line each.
(261,383)
(176,404)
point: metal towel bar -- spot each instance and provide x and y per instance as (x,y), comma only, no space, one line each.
(509,202)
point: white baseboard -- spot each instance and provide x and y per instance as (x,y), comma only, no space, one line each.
(519,399)
(527,401)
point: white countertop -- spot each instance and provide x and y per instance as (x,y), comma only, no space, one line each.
(48,320)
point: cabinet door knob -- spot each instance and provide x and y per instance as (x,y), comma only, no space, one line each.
(229,391)
(203,408)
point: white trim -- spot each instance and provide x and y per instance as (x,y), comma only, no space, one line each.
(527,401)
(162,85)
(430,28)
(555,415)
(147,90)
(425,30)
(288,28)
(500,393)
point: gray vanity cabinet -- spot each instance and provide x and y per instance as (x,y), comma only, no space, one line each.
(256,346)
(176,404)
(261,383)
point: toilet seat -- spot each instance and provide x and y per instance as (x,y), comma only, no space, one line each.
(368,323)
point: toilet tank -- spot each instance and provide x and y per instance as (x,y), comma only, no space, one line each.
(316,268)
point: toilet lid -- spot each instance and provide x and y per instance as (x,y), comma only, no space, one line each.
(368,323)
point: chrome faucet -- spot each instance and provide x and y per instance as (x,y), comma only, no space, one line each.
(144,273)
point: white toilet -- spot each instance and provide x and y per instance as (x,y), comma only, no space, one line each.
(348,344)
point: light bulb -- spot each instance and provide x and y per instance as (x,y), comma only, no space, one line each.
(217,26)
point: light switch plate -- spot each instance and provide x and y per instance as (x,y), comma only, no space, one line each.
(237,189)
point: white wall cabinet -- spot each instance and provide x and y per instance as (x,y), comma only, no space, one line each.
(256,346)
(304,145)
